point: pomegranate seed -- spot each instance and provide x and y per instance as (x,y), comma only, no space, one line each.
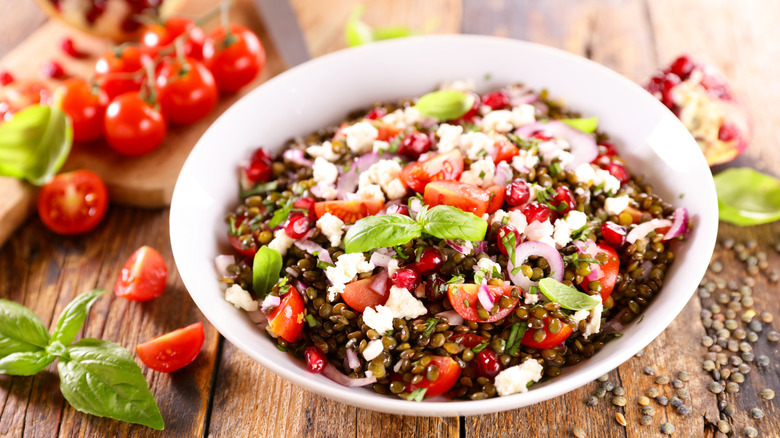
(504,231)
(297,225)
(376,113)
(415,144)
(542,135)
(436,287)
(682,67)
(670,82)
(5,78)
(67,46)
(619,171)
(517,193)
(728,132)
(430,260)
(315,359)
(496,100)
(259,168)
(536,212)
(655,86)
(563,194)
(406,278)
(613,234)
(716,87)
(53,70)
(474,108)
(488,364)
(398,209)
(306,204)
(607,149)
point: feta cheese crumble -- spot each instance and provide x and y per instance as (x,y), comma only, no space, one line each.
(324,171)
(380,319)
(373,349)
(540,232)
(346,268)
(614,206)
(403,305)
(573,221)
(332,227)
(240,298)
(476,145)
(360,137)
(449,137)
(594,322)
(282,242)
(325,150)
(384,173)
(503,121)
(516,379)
(590,174)
(480,173)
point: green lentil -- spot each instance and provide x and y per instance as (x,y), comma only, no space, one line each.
(662,400)
(767,394)
(724,426)
(645,420)
(652,392)
(643,401)
(751,432)
(619,401)
(662,380)
(667,428)
(714,387)
(756,414)
(578,432)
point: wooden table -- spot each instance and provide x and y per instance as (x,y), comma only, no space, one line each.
(226,394)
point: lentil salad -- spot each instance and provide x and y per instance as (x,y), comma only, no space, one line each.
(454,244)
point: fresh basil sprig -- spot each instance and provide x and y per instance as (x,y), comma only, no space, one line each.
(747,197)
(388,230)
(266,267)
(445,104)
(567,296)
(357,32)
(587,126)
(96,377)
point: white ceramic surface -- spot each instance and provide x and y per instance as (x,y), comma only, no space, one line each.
(321,92)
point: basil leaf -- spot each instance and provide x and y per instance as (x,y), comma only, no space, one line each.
(20,329)
(101,378)
(72,318)
(445,104)
(357,32)
(35,143)
(25,363)
(281,214)
(567,296)
(587,126)
(265,270)
(747,197)
(446,222)
(381,232)
(259,189)
(392,32)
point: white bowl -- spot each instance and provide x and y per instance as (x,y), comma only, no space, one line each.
(321,92)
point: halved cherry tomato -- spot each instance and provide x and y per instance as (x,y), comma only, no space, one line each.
(132,126)
(287,319)
(550,340)
(73,202)
(386,131)
(235,56)
(143,277)
(468,340)
(466,197)
(497,193)
(449,373)
(636,215)
(609,270)
(463,298)
(349,211)
(174,350)
(235,242)
(86,107)
(187,91)
(505,151)
(20,94)
(446,166)
(359,295)
(118,71)
(159,36)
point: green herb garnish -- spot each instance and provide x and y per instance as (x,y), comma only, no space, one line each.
(482,345)
(266,267)
(747,197)
(515,336)
(567,296)
(587,126)
(445,104)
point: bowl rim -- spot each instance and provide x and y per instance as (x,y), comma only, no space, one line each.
(364,399)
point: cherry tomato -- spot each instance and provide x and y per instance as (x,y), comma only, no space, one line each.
(237,244)
(497,193)
(187,92)
(550,340)
(359,295)
(20,94)
(73,202)
(446,166)
(466,197)
(463,298)
(505,151)
(132,126)
(636,215)
(235,58)
(158,36)
(287,319)
(449,373)
(118,71)
(349,211)
(86,106)
(385,131)
(609,270)
(174,350)
(468,340)
(143,277)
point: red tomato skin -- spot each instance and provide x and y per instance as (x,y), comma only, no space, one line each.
(236,64)
(132,126)
(112,69)
(173,350)
(358,295)
(449,373)
(468,340)
(287,319)
(505,152)
(63,201)
(349,211)
(466,197)
(143,276)
(158,37)
(551,340)
(458,293)
(20,94)
(446,166)
(187,93)
(609,270)
(497,193)
(85,106)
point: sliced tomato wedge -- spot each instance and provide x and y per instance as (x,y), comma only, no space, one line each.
(449,373)
(73,202)
(497,193)
(359,295)
(468,340)
(463,298)
(287,319)
(551,340)
(385,131)
(143,277)
(349,211)
(505,151)
(609,270)
(174,350)
(446,166)
(466,197)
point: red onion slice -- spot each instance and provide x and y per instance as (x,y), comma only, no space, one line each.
(352,359)
(643,229)
(296,156)
(504,174)
(590,249)
(539,249)
(257,316)
(269,303)
(221,262)
(337,376)
(414,207)
(381,260)
(480,246)
(312,247)
(453,317)
(485,297)
(348,180)
(583,146)
(379,285)
(291,272)
(680,224)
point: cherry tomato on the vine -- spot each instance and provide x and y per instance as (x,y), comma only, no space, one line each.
(73,202)
(86,106)
(133,126)
(187,91)
(161,36)
(235,57)
(119,70)
(20,94)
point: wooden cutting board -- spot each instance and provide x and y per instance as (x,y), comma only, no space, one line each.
(148,181)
